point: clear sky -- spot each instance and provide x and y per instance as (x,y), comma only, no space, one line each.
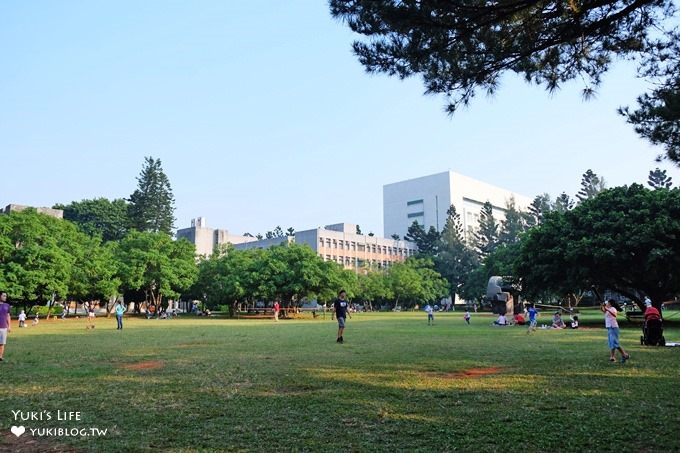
(262,116)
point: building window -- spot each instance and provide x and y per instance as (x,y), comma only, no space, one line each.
(413,202)
(416,214)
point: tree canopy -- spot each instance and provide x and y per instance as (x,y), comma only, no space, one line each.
(460,48)
(626,239)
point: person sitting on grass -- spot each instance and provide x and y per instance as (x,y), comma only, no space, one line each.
(519,319)
(501,321)
(557,321)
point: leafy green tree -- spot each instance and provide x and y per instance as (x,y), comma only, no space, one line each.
(460,48)
(228,277)
(152,205)
(43,258)
(98,216)
(415,281)
(373,287)
(95,275)
(156,264)
(659,180)
(426,241)
(486,236)
(626,239)
(591,185)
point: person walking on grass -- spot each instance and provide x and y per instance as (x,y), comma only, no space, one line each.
(466,316)
(120,310)
(532,318)
(341,311)
(277,308)
(610,310)
(5,323)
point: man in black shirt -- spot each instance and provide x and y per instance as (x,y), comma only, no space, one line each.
(340,311)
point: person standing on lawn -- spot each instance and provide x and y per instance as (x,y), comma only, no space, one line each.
(610,310)
(120,310)
(5,323)
(341,311)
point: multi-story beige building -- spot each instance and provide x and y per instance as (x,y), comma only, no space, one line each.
(58,213)
(207,239)
(341,243)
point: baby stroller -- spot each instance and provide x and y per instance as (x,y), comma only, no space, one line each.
(652,333)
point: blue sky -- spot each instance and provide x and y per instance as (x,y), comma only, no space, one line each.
(262,116)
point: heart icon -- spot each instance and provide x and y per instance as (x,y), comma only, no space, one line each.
(18,430)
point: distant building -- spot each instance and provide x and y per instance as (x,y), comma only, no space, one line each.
(58,213)
(428,198)
(207,239)
(341,243)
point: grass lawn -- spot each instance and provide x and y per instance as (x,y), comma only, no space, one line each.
(197,384)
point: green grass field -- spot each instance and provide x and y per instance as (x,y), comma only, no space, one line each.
(197,384)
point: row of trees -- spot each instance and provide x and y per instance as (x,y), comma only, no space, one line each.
(292,273)
(101,250)
(43,259)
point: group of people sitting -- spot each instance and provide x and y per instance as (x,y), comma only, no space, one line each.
(520,320)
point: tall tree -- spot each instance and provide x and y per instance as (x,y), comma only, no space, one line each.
(659,180)
(152,205)
(515,223)
(99,217)
(426,241)
(563,203)
(460,48)
(455,260)
(539,208)
(486,236)
(591,185)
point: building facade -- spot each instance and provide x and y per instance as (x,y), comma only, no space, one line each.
(58,213)
(341,243)
(428,198)
(207,239)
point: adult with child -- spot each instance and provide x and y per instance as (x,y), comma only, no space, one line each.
(5,323)
(611,309)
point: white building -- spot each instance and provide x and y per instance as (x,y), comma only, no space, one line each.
(206,239)
(341,243)
(427,199)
